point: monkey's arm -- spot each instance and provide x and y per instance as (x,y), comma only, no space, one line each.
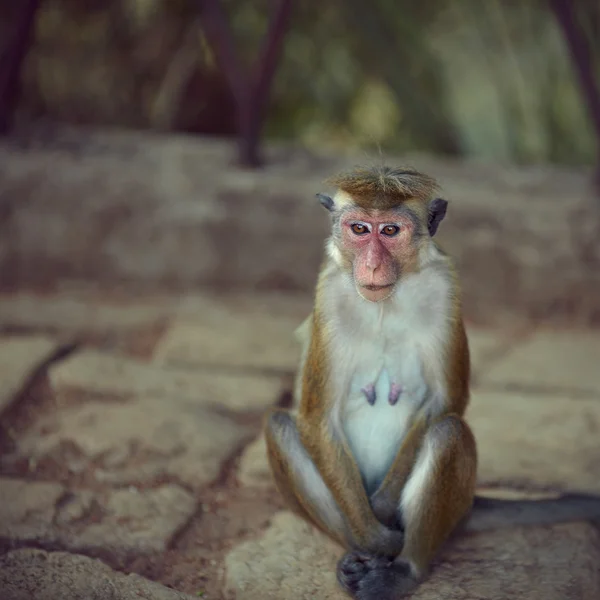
(496,513)
(302,335)
(322,491)
(385,500)
(342,476)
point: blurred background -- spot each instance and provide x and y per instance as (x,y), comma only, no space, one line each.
(496,80)
(183,113)
(160,242)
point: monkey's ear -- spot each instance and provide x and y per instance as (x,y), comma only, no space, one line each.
(326,201)
(437,211)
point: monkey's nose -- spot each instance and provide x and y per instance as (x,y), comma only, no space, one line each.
(373,260)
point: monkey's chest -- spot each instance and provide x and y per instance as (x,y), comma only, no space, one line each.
(378,413)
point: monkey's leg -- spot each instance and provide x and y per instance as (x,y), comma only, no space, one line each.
(437,495)
(298,479)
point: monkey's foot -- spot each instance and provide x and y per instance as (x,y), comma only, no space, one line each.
(369,392)
(368,577)
(395,391)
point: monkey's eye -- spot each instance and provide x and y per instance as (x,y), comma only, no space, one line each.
(359,228)
(390,230)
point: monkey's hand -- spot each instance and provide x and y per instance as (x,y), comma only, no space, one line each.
(364,531)
(384,541)
(385,502)
(386,510)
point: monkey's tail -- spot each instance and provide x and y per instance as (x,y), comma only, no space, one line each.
(496,513)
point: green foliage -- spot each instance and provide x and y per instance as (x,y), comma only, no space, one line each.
(490,79)
(494,78)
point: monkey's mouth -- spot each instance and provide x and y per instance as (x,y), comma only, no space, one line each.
(377,288)
(376,293)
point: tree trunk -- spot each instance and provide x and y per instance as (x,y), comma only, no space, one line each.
(265,73)
(11,60)
(580,55)
(250,93)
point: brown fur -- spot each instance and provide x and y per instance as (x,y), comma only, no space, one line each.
(448,494)
(384,187)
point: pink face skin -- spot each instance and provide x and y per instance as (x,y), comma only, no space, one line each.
(379,242)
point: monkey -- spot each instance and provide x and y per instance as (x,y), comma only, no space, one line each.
(378,454)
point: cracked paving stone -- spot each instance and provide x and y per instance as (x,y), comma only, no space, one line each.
(253,331)
(133,521)
(20,358)
(27,509)
(260,341)
(293,561)
(537,440)
(73,314)
(551,359)
(484,344)
(31,574)
(254,470)
(278,304)
(138,440)
(124,522)
(107,373)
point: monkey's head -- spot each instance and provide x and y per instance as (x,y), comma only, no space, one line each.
(383,220)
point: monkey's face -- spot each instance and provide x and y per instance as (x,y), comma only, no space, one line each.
(378,246)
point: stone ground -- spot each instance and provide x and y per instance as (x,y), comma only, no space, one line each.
(132,466)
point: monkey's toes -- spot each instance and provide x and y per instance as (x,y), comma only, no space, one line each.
(368,577)
(353,567)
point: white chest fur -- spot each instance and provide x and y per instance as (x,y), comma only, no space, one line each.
(375,431)
(382,345)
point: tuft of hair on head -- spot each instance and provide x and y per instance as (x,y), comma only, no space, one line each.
(384,187)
